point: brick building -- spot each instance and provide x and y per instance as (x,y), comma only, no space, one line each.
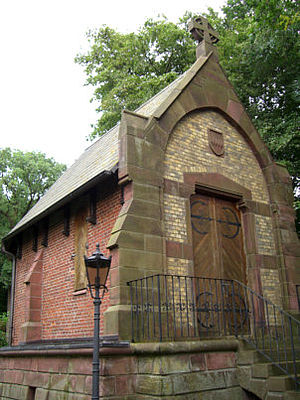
(183,187)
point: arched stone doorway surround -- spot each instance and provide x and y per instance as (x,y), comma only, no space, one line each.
(236,176)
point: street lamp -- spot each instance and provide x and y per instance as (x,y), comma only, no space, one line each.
(97,269)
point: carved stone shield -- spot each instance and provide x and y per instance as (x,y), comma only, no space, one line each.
(216,142)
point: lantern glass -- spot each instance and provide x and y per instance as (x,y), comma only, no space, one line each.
(97,274)
(97,269)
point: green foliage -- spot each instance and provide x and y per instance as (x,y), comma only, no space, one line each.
(24,178)
(297,209)
(128,69)
(3,322)
(287,20)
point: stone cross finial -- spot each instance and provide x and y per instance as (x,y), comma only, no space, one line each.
(201,30)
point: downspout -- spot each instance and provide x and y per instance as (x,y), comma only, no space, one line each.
(12,293)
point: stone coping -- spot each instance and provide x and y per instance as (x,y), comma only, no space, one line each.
(209,345)
(64,347)
(122,348)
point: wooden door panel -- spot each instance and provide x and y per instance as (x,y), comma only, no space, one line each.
(218,253)
(202,220)
(229,232)
(217,238)
(80,240)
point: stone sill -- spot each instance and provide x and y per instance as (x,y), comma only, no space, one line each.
(80,292)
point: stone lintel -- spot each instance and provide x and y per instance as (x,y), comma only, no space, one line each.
(217,183)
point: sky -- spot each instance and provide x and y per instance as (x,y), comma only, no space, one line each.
(44,105)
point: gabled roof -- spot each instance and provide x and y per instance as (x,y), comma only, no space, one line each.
(102,156)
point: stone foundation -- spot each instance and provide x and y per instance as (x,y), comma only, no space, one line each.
(187,370)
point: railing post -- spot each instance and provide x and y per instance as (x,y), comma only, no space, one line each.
(234,311)
(293,353)
(131,301)
(159,309)
(173,301)
(223,305)
(142,311)
(153,306)
(137,311)
(167,304)
(187,309)
(148,309)
(217,306)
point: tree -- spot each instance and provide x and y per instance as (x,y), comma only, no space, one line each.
(24,178)
(128,69)
(258,49)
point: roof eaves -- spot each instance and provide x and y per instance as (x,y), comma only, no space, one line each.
(54,207)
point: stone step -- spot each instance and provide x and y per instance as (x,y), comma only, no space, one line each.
(274,396)
(246,357)
(291,395)
(280,383)
(254,356)
(264,370)
(281,347)
(258,387)
(265,379)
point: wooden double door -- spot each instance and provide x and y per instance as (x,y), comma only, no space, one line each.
(217,238)
(218,255)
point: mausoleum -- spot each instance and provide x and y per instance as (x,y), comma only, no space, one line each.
(185,197)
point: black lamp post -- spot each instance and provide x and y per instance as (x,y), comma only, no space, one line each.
(97,269)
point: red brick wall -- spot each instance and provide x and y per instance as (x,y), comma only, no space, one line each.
(22,267)
(65,313)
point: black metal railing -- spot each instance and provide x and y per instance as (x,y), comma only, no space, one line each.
(273,332)
(175,307)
